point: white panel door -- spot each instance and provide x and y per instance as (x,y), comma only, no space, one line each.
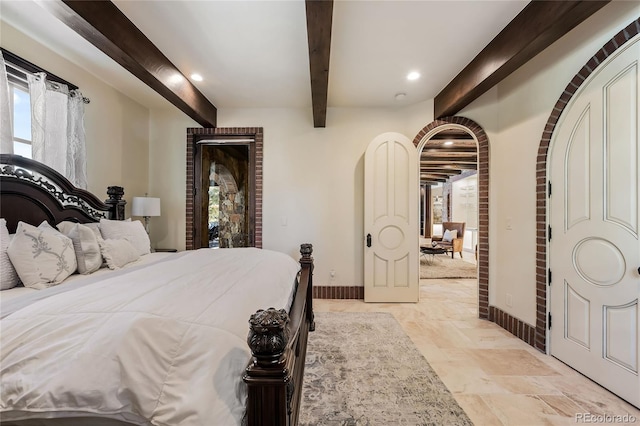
(594,252)
(391,255)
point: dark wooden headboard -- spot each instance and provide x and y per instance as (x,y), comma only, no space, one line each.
(32,192)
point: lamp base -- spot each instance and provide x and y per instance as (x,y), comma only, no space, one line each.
(146,223)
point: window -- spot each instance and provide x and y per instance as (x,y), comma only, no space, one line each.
(17,70)
(21,106)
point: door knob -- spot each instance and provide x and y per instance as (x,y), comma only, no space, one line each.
(369,242)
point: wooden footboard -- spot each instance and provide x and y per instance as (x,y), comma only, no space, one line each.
(278,342)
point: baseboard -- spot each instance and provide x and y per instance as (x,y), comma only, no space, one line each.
(513,325)
(338,292)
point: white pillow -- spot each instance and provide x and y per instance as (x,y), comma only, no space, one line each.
(95,227)
(132,231)
(8,276)
(42,256)
(85,245)
(118,253)
(66,226)
(450,235)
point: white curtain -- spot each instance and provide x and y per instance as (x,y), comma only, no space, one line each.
(6,123)
(57,131)
(76,149)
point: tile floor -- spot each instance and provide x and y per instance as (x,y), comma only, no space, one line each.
(495,377)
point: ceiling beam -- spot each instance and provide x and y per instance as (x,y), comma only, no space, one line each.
(107,28)
(440,149)
(535,28)
(453,159)
(449,165)
(438,173)
(319,19)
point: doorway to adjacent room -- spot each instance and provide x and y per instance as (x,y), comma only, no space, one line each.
(224,188)
(463,158)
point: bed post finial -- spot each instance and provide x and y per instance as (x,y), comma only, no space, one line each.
(115,202)
(268,335)
(306,250)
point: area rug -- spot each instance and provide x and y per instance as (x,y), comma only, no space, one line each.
(362,369)
(443,266)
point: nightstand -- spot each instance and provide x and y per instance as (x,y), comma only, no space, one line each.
(166,250)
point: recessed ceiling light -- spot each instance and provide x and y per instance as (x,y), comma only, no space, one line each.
(196,77)
(448,143)
(413,75)
(400,96)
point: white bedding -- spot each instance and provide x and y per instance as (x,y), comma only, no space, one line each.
(6,295)
(163,344)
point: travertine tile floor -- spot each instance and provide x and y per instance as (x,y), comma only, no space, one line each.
(495,377)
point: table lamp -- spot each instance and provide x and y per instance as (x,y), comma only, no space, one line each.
(145,207)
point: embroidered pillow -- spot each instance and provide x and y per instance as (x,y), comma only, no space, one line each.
(450,235)
(85,245)
(132,231)
(8,276)
(42,256)
(118,253)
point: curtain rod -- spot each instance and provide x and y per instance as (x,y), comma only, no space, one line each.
(25,67)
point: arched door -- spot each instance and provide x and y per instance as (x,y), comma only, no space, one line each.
(594,248)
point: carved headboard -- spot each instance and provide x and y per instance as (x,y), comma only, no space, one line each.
(32,192)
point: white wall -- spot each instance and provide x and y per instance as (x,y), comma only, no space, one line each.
(116,127)
(167,176)
(514,115)
(313,178)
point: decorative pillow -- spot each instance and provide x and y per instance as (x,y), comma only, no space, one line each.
(95,227)
(42,256)
(450,235)
(132,231)
(66,226)
(8,276)
(85,245)
(118,253)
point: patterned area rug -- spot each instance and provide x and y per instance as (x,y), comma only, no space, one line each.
(443,266)
(362,369)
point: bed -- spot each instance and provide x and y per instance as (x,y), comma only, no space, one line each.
(202,337)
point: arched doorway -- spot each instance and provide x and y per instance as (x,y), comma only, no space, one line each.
(473,129)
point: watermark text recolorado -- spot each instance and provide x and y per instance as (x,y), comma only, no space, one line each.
(605,418)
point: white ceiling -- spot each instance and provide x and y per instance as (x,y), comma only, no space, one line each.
(255,54)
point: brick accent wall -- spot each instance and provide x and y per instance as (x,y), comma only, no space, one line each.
(338,292)
(197,133)
(513,325)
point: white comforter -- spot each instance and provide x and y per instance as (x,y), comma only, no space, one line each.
(163,344)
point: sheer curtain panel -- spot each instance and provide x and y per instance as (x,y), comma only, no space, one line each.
(57,129)
(6,123)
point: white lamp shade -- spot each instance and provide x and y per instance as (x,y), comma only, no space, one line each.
(145,206)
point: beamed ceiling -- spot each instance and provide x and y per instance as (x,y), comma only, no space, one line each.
(535,27)
(446,154)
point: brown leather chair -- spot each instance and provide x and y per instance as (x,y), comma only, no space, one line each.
(455,245)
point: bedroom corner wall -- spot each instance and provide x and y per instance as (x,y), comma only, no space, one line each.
(313,178)
(167,175)
(116,127)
